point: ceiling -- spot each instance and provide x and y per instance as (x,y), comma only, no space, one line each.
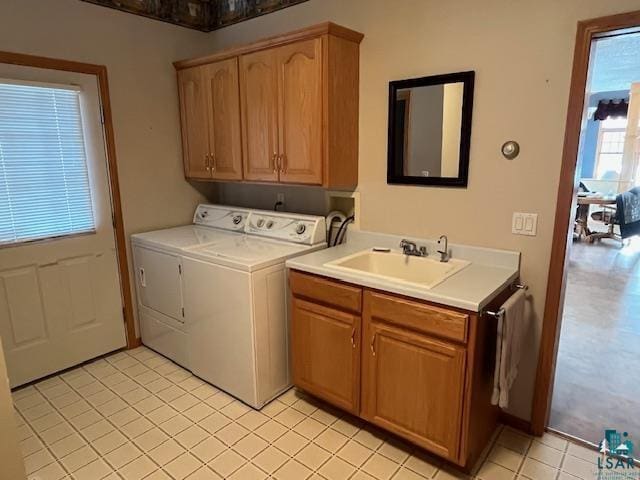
(615,63)
(203,15)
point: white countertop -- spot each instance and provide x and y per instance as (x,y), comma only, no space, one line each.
(471,288)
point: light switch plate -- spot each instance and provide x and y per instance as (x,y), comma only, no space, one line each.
(524,224)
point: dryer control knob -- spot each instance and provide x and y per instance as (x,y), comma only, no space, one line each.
(237,219)
(300,229)
(270,224)
(260,223)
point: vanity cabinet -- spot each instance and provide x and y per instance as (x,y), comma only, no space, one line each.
(326,349)
(412,382)
(210,117)
(287,107)
(419,370)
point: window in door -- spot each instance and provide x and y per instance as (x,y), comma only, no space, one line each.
(610,149)
(44,183)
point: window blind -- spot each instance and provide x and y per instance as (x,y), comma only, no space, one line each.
(44,184)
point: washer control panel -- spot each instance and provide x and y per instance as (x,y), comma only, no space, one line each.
(304,229)
(225,218)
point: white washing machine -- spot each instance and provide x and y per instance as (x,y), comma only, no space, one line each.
(157,260)
(235,296)
(216,302)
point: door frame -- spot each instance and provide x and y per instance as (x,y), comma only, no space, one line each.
(100,72)
(565,205)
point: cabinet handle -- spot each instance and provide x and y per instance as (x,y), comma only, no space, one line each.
(213,162)
(373,344)
(353,336)
(206,162)
(283,163)
(274,159)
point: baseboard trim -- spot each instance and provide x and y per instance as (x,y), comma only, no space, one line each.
(135,344)
(515,422)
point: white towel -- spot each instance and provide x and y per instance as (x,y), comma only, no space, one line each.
(511,330)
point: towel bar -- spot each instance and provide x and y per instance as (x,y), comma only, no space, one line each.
(500,312)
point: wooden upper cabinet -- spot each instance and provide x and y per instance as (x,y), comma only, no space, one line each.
(300,112)
(193,116)
(223,113)
(298,109)
(258,95)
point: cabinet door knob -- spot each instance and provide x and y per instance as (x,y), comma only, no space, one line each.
(373,345)
(353,337)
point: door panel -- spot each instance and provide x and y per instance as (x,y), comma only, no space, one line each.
(58,315)
(193,112)
(326,353)
(223,110)
(60,299)
(412,385)
(77,278)
(159,282)
(300,111)
(258,96)
(20,304)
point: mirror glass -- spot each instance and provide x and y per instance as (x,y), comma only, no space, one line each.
(429,130)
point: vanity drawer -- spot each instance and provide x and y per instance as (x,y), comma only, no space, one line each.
(417,316)
(328,292)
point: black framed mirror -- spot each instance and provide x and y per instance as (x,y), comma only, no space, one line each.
(430,130)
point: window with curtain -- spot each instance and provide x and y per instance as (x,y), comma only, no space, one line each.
(44,183)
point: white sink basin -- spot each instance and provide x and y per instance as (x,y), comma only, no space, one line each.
(423,272)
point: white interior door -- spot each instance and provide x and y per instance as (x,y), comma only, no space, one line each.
(60,300)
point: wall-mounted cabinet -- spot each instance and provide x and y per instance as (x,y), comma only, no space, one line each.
(281,110)
(210,115)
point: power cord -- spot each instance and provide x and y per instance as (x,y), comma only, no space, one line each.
(342,230)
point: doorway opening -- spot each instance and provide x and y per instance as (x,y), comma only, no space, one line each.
(600,328)
(591,332)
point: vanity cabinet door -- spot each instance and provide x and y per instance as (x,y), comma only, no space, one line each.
(223,111)
(258,98)
(412,385)
(325,346)
(193,116)
(300,111)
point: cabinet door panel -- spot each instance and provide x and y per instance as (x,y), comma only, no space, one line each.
(413,386)
(223,110)
(300,111)
(193,113)
(259,96)
(326,353)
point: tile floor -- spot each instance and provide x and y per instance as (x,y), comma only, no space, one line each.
(135,415)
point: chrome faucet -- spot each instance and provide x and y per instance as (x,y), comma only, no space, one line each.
(444,254)
(410,248)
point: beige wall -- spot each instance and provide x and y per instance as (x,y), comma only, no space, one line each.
(11,464)
(521,52)
(138,53)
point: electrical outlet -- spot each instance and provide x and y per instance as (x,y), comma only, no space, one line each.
(524,224)
(280,199)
